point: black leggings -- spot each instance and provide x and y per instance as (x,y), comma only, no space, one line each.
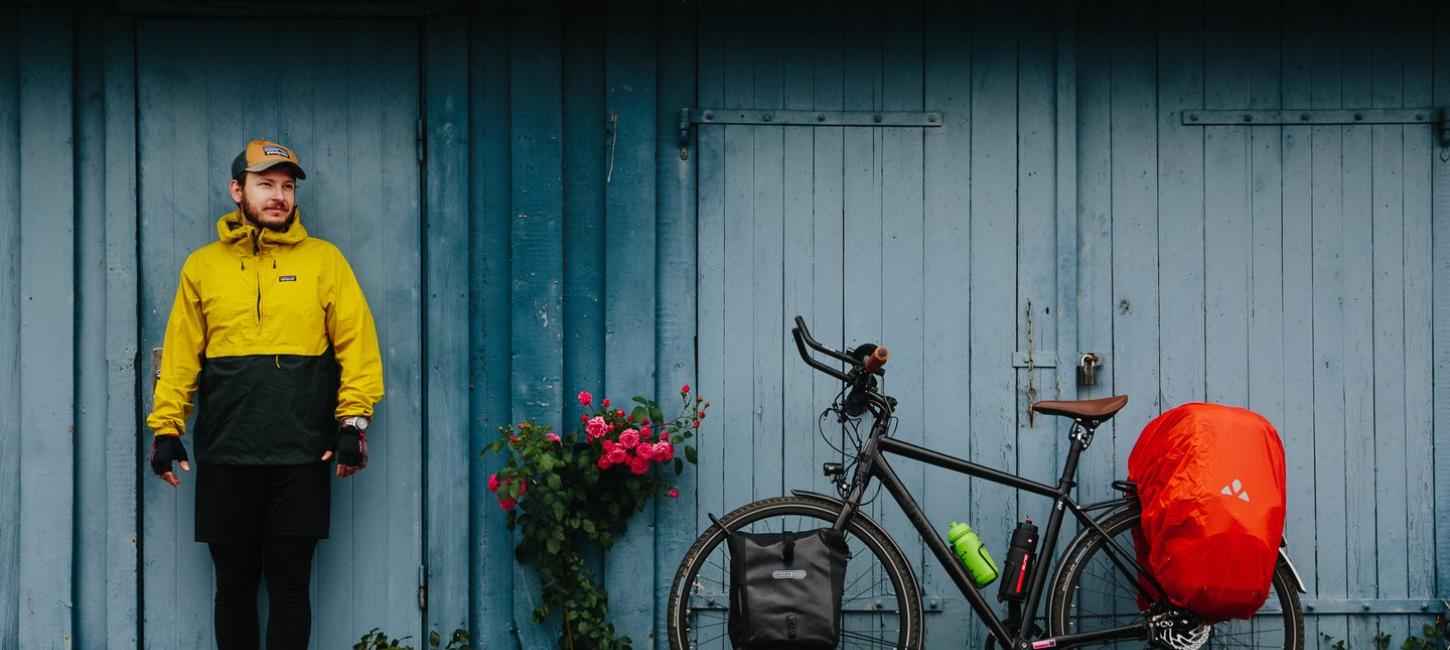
(287,564)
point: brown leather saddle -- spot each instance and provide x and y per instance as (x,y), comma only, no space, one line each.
(1088,412)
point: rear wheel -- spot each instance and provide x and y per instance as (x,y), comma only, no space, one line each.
(881,604)
(1090,593)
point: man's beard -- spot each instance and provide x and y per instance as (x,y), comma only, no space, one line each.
(252,215)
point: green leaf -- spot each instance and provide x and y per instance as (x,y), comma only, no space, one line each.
(639,413)
(553,545)
(656,415)
(434,639)
(588,526)
(691,454)
(679,467)
(554,481)
(640,399)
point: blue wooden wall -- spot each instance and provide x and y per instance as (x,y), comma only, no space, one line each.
(554,239)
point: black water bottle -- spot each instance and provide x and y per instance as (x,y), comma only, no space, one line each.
(1021,553)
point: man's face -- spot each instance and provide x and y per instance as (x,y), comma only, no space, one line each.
(267,197)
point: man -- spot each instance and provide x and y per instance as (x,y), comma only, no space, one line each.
(271,329)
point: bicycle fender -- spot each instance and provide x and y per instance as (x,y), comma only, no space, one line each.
(1298,581)
(869,522)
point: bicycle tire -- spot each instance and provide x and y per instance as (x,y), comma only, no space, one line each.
(896,610)
(1075,606)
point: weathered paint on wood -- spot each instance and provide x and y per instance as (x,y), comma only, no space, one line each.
(10,323)
(446,319)
(47,356)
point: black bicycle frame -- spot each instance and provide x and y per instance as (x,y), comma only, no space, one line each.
(872,465)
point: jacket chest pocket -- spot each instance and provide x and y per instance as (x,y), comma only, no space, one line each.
(290,295)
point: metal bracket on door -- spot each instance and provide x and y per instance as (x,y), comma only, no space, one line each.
(771,117)
(1350,116)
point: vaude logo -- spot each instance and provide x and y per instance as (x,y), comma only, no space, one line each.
(793,574)
(1235,489)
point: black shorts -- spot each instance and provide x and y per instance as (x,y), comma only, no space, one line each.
(239,503)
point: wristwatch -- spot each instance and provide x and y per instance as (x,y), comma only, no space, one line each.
(356,421)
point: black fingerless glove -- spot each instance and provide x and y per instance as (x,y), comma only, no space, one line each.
(351,446)
(165,450)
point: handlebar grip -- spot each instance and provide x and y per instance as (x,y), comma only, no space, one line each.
(877,359)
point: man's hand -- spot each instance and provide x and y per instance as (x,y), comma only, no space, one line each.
(351,446)
(166,449)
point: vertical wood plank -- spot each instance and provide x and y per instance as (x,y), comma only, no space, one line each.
(10,324)
(1297,425)
(994,229)
(1389,574)
(1327,230)
(537,243)
(709,153)
(1440,313)
(122,448)
(1135,113)
(947,179)
(767,329)
(1094,181)
(1037,438)
(903,238)
(676,226)
(46,337)
(490,279)
(1180,213)
(630,308)
(1358,174)
(446,315)
(92,432)
(1227,208)
(1420,152)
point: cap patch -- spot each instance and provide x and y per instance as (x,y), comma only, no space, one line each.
(275,151)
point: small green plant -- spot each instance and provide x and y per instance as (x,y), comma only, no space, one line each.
(568,493)
(376,640)
(1434,639)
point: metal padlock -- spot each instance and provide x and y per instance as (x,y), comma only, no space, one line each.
(1087,368)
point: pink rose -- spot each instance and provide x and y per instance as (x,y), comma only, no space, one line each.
(552,436)
(645,432)
(638,465)
(629,438)
(506,504)
(493,482)
(674,494)
(685,390)
(645,450)
(606,402)
(595,428)
(619,412)
(608,445)
(665,437)
(523,487)
(604,463)
(585,398)
(618,456)
(664,451)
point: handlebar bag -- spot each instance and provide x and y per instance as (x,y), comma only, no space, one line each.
(1210,479)
(785,588)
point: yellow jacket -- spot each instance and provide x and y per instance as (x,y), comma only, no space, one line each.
(274,330)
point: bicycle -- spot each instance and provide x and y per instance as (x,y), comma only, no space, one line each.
(1095,591)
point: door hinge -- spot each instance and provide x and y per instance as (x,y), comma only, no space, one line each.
(422,588)
(420,140)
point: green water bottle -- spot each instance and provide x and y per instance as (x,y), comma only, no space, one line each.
(973,553)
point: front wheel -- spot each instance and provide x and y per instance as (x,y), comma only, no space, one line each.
(1090,593)
(881,605)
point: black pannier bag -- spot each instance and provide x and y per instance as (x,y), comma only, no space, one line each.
(785,588)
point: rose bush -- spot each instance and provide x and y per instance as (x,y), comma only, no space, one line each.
(565,492)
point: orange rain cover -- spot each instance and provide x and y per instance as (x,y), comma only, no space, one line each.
(1211,482)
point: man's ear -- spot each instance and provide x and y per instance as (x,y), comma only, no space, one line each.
(236,191)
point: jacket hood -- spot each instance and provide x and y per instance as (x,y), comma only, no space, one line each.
(233,229)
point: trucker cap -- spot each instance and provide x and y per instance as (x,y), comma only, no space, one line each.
(261,155)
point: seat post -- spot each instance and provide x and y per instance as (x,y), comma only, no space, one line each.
(1081,435)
